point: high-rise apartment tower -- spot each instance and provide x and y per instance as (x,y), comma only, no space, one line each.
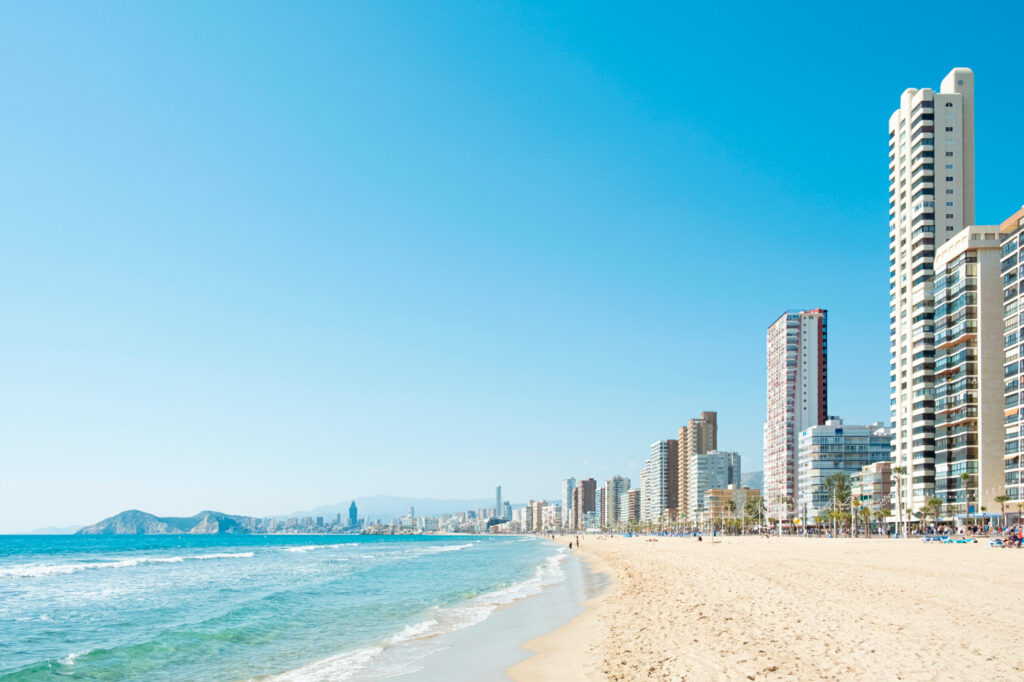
(797,399)
(568,486)
(931,198)
(696,438)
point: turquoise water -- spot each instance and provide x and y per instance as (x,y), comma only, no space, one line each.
(235,608)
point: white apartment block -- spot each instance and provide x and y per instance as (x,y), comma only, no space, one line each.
(615,499)
(797,392)
(931,198)
(1012,269)
(832,448)
(969,371)
(655,480)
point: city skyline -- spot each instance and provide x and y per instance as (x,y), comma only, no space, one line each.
(227,290)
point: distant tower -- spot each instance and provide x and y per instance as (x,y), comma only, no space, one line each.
(497,500)
(353,515)
(568,486)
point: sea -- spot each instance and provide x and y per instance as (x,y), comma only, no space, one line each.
(278,607)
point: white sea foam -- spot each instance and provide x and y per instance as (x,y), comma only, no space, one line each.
(340,667)
(43,570)
(409,632)
(70,658)
(310,548)
(426,551)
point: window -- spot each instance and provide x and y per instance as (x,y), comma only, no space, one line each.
(949,178)
(949,104)
(949,129)
(949,153)
(949,166)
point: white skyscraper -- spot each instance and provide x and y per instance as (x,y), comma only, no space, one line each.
(931,198)
(797,351)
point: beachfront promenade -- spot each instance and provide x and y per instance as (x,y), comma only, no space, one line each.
(792,608)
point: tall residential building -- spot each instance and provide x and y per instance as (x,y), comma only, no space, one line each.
(832,448)
(599,503)
(568,485)
(931,198)
(537,512)
(797,399)
(497,500)
(711,470)
(659,480)
(614,499)
(697,437)
(632,505)
(1012,266)
(583,502)
(353,515)
(969,370)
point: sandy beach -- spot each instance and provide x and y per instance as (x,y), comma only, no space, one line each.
(791,609)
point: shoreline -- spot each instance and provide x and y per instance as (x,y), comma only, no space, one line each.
(498,642)
(563,653)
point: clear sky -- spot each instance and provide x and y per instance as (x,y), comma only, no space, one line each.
(257,257)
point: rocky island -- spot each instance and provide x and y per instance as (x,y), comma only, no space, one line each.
(135,522)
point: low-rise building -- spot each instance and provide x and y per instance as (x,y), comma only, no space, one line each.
(832,448)
(717,501)
(872,486)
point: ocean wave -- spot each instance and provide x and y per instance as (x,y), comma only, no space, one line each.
(426,551)
(310,548)
(44,570)
(341,667)
(410,632)
(443,620)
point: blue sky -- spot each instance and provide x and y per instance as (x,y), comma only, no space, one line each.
(259,257)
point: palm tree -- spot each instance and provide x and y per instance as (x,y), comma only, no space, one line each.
(932,506)
(838,486)
(880,516)
(1002,500)
(967,496)
(730,506)
(899,471)
(865,516)
(750,509)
